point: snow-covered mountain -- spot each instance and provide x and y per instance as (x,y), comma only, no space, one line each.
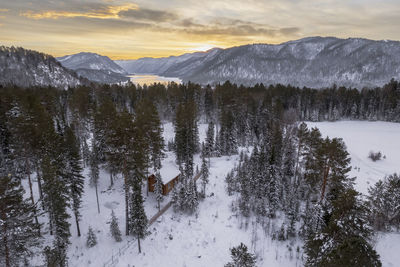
(94,67)
(26,68)
(91,61)
(313,62)
(148,65)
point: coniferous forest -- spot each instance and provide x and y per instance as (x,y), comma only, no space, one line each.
(49,137)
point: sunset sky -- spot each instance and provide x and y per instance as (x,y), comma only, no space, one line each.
(132,29)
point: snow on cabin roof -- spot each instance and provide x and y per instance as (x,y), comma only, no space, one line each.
(169,169)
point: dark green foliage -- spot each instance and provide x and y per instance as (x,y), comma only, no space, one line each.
(138,222)
(18,231)
(343,235)
(384,202)
(91,239)
(241,257)
(114,228)
(74,174)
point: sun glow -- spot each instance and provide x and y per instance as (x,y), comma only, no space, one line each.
(203,47)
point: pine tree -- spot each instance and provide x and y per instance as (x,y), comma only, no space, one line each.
(241,257)
(137,216)
(205,173)
(94,174)
(74,175)
(56,202)
(114,228)
(158,189)
(343,238)
(18,230)
(91,239)
(209,142)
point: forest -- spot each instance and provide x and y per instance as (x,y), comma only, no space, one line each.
(289,171)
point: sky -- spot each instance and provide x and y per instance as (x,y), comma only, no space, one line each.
(124,29)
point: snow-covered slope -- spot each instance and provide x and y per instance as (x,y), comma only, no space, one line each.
(94,67)
(148,65)
(313,62)
(91,61)
(26,68)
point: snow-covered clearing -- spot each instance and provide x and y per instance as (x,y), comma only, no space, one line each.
(361,137)
(204,239)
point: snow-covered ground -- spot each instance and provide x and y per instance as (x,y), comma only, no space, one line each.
(361,137)
(204,239)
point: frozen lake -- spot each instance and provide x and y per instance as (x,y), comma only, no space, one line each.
(148,79)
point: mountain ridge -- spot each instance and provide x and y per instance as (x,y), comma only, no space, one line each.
(94,67)
(312,61)
(26,68)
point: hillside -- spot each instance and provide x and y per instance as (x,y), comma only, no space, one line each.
(25,68)
(94,67)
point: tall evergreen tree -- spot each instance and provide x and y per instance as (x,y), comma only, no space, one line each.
(137,216)
(17,227)
(114,228)
(74,175)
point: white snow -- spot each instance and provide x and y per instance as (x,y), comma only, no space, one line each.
(361,137)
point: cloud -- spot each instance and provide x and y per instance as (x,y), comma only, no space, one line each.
(102,12)
(148,15)
(233,27)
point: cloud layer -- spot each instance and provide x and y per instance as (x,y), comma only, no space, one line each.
(127,29)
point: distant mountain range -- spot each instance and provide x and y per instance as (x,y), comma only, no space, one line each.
(314,62)
(94,67)
(27,68)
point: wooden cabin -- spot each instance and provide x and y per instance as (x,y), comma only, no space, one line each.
(166,188)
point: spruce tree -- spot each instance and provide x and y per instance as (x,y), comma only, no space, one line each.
(137,216)
(241,257)
(74,174)
(91,239)
(56,201)
(158,189)
(343,238)
(18,230)
(114,228)
(209,142)
(205,173)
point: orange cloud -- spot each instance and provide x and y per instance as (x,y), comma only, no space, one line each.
(110,12)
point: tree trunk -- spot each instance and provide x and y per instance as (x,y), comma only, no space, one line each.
(77,224)
(111,179)
(50,224)
(324,182)
(126,200)
(39,181)
(31,191)
(97,199)
(138,241)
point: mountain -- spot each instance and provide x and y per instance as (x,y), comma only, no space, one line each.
(314,62)
(25,68)
(148,65)
(94,67)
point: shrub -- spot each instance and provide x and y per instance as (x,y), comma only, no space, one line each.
(375,156)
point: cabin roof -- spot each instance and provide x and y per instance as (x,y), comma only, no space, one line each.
(169,169)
